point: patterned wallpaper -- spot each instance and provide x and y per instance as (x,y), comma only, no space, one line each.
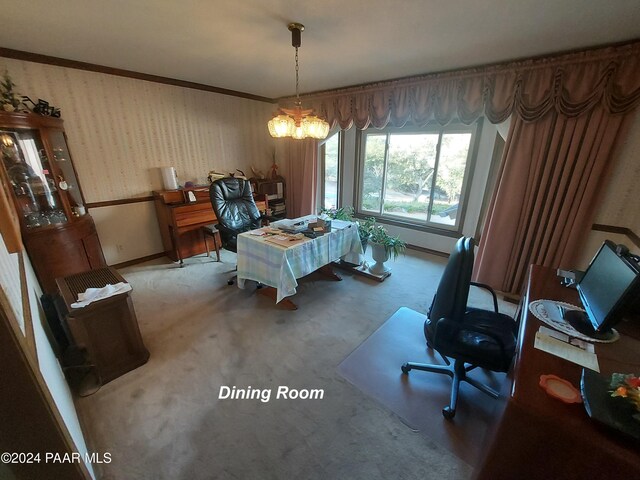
(121,129)
(621,203)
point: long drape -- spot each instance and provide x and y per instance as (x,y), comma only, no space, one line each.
(302,177)
(566,110)
(552,172)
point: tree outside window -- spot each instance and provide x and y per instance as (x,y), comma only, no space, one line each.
(417,177)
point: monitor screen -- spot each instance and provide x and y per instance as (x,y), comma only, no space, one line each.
(605,286)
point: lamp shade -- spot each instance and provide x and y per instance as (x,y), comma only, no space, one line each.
(281,126)
(315,127)
(298,124)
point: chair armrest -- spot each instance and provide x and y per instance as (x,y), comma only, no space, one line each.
(490,290)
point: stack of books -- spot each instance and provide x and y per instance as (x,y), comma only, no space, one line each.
(278,209)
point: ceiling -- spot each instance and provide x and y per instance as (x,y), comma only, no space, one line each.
(244,45)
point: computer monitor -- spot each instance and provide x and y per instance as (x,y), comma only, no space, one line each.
(608,286)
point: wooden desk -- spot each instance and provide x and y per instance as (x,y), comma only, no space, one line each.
(180,220)
(279,267)
(537,436)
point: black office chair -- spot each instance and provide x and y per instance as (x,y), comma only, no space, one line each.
(472,337)
(235,209)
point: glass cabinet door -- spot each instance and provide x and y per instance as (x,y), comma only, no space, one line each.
(31,177)
(67,177)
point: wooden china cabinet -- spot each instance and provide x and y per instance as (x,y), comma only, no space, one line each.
(59,235)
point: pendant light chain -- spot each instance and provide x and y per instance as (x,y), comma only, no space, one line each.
(297,122)
(297,80)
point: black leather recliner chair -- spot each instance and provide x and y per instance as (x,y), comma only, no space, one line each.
(472,337)
(235,209)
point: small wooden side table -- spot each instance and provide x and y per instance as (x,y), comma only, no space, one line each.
(107,329)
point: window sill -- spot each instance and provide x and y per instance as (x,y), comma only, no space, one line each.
(445,232)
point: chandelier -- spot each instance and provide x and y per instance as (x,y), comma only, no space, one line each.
(297,122)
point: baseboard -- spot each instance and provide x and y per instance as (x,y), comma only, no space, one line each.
(427,250)
(135,261)
(510,298)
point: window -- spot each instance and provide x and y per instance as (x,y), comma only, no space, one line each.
(330,171)
(416,177)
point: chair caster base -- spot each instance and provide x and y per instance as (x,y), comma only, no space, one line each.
(448,413)
(405,368)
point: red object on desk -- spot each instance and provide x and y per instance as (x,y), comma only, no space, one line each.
(536,436)
(560,389)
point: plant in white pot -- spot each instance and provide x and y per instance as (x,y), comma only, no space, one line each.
(383,246)
(364,231)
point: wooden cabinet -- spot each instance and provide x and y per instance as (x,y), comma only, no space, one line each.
(276,191)
(107,329)
(181,220)
(60,237)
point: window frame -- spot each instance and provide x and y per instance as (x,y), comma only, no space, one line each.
(322,169)
(421,225)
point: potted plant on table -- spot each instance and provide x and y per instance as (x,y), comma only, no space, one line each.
(383,245)
(342,213)
(346,213)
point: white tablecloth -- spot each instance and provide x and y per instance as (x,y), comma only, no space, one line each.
(279,267)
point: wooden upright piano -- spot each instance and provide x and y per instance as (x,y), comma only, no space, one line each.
(180,219)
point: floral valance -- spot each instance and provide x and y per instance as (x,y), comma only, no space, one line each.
(572,84)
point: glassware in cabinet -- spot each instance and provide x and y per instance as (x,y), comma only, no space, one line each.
(31,177)
(67,180)
(57,232)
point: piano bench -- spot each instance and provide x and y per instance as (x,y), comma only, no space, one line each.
(211,231)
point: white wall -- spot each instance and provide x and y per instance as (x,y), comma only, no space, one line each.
(47,361)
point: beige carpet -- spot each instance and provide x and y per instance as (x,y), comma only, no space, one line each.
(164,420)
(418,398)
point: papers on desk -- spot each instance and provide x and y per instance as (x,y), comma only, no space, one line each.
(258,232)
(569,348)
(339,224)
(284,240)
(292,226)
